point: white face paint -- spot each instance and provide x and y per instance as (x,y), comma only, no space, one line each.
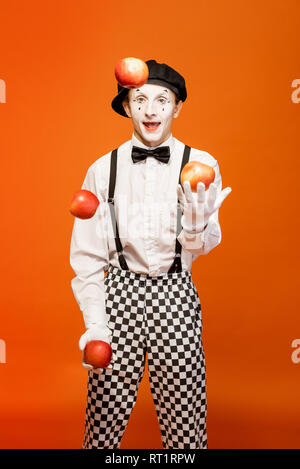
(152,109)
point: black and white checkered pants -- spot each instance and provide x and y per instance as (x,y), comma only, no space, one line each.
(161,316)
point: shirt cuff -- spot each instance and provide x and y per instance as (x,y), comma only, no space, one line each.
(193,233)
(191,242)
(94,314)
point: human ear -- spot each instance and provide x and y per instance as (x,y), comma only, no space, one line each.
(126,106)
(177,109)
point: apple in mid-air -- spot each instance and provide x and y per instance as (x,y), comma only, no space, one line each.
(131,72)
(195,172)
(84,204)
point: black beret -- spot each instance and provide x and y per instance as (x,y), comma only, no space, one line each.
(159,74)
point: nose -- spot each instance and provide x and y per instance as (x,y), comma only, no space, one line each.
(150,108)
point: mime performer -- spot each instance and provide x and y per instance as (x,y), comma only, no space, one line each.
(132,262)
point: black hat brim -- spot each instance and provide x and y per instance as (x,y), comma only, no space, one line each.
(117,102)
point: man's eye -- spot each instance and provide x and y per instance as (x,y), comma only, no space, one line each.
(140,100)
(162,100)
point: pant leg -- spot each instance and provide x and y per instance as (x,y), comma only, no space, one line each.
(112,395)
(176,361)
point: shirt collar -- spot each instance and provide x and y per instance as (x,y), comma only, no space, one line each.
(169,142)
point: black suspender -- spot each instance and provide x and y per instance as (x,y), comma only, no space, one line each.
(176,265)
(112,183)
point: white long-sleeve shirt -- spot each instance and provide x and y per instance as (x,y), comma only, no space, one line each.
(146,211)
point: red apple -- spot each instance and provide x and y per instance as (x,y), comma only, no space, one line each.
(84,204)
(195,172)
(131,72)
(97,353)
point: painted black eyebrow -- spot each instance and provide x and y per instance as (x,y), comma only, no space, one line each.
(157,95)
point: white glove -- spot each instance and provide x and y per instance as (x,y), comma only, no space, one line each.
(199,206)
(96,332)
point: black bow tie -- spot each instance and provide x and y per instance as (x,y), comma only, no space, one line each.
(160,153)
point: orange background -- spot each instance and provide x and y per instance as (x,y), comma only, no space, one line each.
(239,60)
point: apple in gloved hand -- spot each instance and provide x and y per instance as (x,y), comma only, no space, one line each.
(195,172)
(97,353)
(84,204)
(131,72)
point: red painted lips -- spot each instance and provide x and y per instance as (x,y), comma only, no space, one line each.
(151,125)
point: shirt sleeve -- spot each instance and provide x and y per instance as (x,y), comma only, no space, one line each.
(89,257)
(202,243)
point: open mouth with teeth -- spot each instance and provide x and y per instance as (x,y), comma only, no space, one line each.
(151,126)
